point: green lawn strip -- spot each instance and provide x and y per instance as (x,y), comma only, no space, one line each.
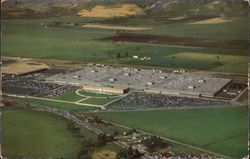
(196,127)
(96,94)
(34,134)
(61,105)
(70,97)
(98,101)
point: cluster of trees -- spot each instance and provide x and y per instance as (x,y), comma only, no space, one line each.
(129,153)
(218,63)
(55,23)
(118,54)
(154,142)
(89,146)
(86,147)
(75,129)
(102,139)
(130,132)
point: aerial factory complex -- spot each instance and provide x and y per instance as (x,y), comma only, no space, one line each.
(124,79)
(155,81)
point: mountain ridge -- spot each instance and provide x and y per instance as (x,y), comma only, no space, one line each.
(168,8)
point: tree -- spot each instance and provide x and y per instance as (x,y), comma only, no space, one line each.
(126,54)
(154,141)
(118,55)
(218,63)
(102,139)
(130,153)
(115,133)
(86,146)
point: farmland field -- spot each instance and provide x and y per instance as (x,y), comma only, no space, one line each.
(221,130)
(36,134)
(31,39)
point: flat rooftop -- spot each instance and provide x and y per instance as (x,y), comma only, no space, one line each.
(150,80)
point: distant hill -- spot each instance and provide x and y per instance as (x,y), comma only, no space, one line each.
(165,8)
(121,10)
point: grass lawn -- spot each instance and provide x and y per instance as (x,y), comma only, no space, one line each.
(70,97)
(222,130)
(60,105)
(34,134)
(98,101)
(95,94)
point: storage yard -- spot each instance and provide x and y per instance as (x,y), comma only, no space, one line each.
(154,81)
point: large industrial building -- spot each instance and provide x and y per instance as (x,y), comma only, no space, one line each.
(106,77)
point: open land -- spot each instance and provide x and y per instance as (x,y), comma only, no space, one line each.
(224,130)
(33,141)
(172,40)
(36,134)
(23,67)
(41,41)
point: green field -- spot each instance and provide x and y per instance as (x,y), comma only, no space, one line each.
(60,105)
(70,97)
(33,134)
(75,43)
(221,130)
(235,29)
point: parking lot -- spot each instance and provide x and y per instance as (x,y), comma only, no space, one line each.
(140,101)
(34,85)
